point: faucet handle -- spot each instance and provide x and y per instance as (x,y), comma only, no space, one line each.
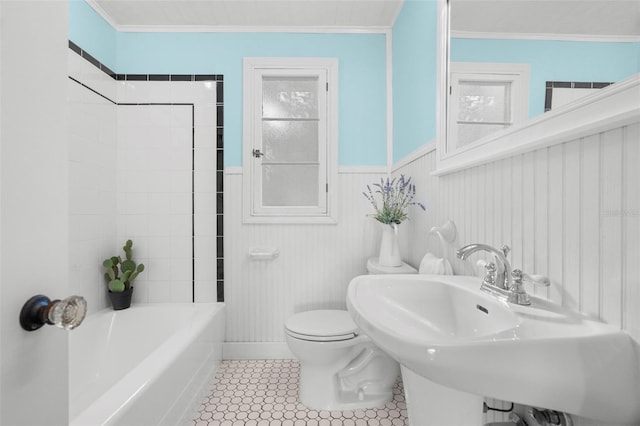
(490,273)
(517,293)
(540,280)
(505,250)
(518,276)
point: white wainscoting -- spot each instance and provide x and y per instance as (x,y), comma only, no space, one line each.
(571,212)
(313,270)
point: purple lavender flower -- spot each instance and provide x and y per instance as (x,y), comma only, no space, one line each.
(396,196)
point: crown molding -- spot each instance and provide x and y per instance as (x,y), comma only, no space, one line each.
(249,29)
(103,14)
(548,37)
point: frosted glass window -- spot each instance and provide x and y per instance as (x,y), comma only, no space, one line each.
(290,97)
(485,98)
(483,108)
(468,133)
(290,140)
(295,185)
(484,102)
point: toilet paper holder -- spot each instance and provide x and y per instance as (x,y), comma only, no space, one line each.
(264,253)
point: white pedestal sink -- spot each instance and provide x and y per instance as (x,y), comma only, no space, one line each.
(431,404)
(445,330)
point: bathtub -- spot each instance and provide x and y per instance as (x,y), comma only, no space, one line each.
(146,365)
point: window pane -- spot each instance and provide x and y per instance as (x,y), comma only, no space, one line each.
(290,97)
(484,101)
(468,133)
(290,141)
(295,185)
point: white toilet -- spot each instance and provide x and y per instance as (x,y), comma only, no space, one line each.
(340,367)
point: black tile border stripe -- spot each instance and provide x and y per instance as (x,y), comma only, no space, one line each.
(94,91)
(550,85)
(143,77)
(219,143)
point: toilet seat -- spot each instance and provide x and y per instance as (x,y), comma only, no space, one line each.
(326,325)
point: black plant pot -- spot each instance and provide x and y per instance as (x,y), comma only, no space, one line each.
(121,300)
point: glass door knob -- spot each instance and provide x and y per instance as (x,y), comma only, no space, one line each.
(40,310)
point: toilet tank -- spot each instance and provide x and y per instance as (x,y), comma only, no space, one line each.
(374,268)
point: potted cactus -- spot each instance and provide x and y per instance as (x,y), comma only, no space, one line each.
(119,275)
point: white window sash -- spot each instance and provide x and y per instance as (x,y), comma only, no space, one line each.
(517,75)
(326,72)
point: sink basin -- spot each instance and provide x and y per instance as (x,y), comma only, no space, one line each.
(446,330)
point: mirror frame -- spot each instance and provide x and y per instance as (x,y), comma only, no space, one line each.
(442,76)
(613,106)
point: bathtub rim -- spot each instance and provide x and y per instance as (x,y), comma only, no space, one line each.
(110,405)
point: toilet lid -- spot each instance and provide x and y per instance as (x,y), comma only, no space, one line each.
(322,325)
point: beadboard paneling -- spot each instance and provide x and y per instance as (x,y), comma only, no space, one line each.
(571,212)
(313,270)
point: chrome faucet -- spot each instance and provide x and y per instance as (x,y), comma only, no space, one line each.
(500,276)
(499,280)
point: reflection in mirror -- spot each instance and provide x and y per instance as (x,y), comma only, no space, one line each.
(566,45)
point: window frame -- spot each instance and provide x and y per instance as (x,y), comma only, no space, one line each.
(516,74)
(254,70)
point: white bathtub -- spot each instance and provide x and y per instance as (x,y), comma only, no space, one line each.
(146,365)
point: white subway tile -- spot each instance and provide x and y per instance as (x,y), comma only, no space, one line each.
(205,291)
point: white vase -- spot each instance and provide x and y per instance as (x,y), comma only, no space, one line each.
(389,251)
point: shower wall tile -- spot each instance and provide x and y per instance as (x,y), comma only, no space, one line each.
(86,72)
(143,165)
(169,147)
(142,150)
(92,184)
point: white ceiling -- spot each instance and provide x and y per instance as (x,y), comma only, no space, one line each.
(568,17)
(574,17)
(251,13)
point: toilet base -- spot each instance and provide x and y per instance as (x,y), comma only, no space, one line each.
(321,387)
(340,368)
(319,393)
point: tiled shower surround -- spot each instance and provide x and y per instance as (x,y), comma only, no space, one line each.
(146,164)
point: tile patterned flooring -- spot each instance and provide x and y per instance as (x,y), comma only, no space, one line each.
(265,393)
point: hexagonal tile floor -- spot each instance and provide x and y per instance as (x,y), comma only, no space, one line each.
(265,393)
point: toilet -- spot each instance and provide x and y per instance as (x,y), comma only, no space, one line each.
(340,367)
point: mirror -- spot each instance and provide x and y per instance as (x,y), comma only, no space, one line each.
(561,49)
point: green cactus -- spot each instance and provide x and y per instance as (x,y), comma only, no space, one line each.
(127,249)
(120,274)
(116,286)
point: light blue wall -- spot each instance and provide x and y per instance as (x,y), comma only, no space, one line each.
(362,78)
(414,76)
(92,33)
(553,61)
(361,58)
